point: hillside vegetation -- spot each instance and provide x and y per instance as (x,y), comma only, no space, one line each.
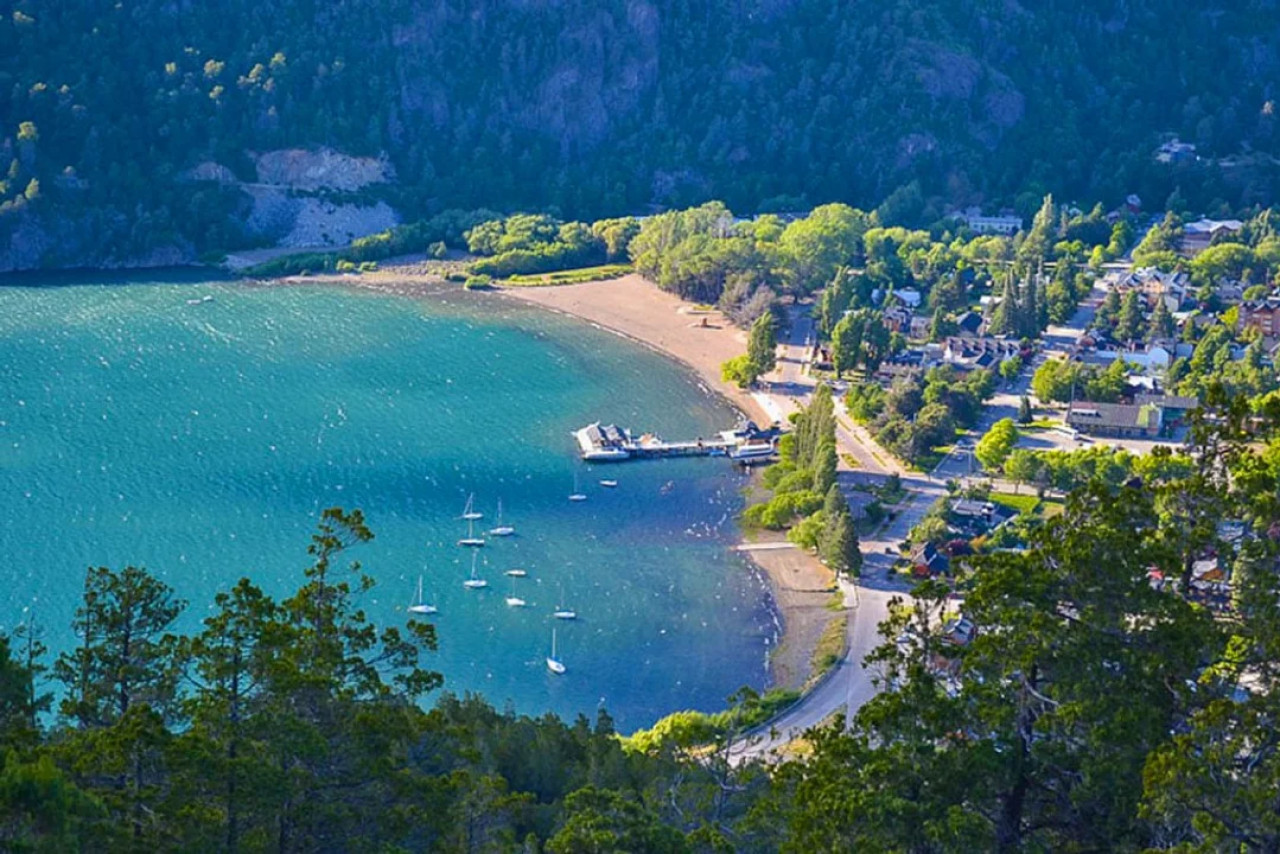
(599,108)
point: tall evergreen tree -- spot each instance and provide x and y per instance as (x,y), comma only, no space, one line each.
(838,546)
(1161,326)
(1004,316)
(762,344)
(846,344)
(824,467)
(1025,415)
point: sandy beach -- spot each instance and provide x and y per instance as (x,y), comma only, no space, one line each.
(636,308)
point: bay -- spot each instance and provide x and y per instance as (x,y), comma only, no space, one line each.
(199,427)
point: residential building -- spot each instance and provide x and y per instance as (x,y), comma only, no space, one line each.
(1005,224)
(1262,315)
(1152,361)
(928,559)
(1199,235)
(970,507)
(897,318)
(970,323)
(920,325)
(1175,151)
(1155,285)
(1120,420)
(970,353)
(909,297)
(1174,407)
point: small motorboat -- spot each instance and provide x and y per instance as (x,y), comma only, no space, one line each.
(609,483)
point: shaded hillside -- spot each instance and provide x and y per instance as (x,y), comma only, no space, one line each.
(603,107)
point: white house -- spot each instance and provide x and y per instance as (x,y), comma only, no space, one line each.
(1153,361)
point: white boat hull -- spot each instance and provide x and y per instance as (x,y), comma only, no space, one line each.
(471,542)
(515,602)
(504,531)
(577,496)
(423,609)
(517,573)
(555,666)
(475,583)
(566,615)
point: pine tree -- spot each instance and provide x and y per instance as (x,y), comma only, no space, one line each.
(1129,320)
(1024,411)
(824,467)
(1003,316)
(937,326)
(762,345)
(1161,327)
(1025,327)
(846,344)
(839,546)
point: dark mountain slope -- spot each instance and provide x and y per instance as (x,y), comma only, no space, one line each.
(599,106)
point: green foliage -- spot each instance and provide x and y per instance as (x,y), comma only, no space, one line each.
(762,345)
(527,244)
(131,101)
(865,401)
(1159,246)
(995,446)
(739,370)
(838,543)
(808,531)
(571,277)
(478,282)
(814,248)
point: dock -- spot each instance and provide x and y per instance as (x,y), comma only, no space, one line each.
(746,444)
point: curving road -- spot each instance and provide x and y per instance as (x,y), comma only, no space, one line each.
(849,685)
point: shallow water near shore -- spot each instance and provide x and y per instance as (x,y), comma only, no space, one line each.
(202,439)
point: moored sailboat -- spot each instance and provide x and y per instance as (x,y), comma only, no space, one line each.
(576,495)
(469,512)
(561,612)
(474,583)
(471,539)
(501,530)
(419,606)
(514,601)
(554,664)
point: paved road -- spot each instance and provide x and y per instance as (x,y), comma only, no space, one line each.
(848,686)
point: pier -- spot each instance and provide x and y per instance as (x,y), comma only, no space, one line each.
(745,444)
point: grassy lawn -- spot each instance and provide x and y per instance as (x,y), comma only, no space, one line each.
(570,277)
(829,649)
(1023,504)
(1041,424)
(1051,507)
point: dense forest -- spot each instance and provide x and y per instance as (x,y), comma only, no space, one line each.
(602,108)
(1108,702)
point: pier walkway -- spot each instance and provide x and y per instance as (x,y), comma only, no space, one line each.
(746,443)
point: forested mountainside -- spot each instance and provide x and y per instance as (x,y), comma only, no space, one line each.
(599,107)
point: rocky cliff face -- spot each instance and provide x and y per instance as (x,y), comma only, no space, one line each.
(322,169)
(290,204)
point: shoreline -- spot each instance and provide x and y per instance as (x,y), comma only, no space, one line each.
(800,586)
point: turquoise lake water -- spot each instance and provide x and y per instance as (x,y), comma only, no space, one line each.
(201,441)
